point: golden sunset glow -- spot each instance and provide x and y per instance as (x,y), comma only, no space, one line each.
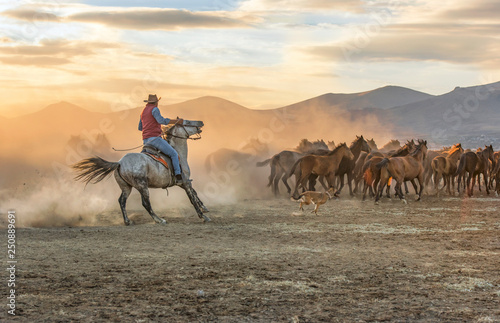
(258,53)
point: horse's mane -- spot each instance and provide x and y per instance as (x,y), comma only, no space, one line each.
(401,149)
(453,149)
(418,148)
(355,142)
(336,148)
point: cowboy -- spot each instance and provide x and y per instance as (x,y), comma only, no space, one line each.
(150,125)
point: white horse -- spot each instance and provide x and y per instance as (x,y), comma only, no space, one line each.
(139,171)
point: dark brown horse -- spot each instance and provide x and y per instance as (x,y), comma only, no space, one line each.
(347,165)
(320,166)
(403,169)
(475,164)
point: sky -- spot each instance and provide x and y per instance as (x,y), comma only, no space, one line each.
(109,55)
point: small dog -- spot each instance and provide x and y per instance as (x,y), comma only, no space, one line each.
(316,198)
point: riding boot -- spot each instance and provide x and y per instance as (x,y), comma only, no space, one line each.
(179,180)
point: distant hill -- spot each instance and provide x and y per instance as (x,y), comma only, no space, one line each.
(381,98)
(469,111)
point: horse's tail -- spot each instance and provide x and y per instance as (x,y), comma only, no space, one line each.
(461,165)
(93,170)
(274,161)
(368,176)
(263,163)
(383,163)
(434,164)
(383,166)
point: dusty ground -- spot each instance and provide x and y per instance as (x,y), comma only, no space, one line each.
(438,260)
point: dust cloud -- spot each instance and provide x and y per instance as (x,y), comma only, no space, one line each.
(38,182)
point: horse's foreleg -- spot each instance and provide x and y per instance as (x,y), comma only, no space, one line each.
(312,182)
(421,183)
(414,186)
(302,178)
(199,201)
(284,179)
(341,177)
(195,201)
(485,177)
(349,182)
(399,190)
(321,180)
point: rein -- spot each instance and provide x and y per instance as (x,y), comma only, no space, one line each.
(126,149)
(188,136)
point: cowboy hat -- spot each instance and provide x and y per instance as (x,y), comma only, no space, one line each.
(152,99)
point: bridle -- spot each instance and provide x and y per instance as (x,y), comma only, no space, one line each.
(188,136)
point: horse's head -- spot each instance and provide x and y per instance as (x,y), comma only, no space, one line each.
(372,144)
(346,151)
(185,130)
(364,144)
(422,146)
(489,152)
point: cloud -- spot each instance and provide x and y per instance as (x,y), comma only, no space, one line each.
(159,19)
(40,61)
(299,5)
(474,11)
(30,15)
(398,46)
(50,52)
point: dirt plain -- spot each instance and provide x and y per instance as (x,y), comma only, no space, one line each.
(262,261)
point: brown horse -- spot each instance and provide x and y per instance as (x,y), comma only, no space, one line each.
(320,166)
(446,167)
(475,164)
(347,165)
(403,169)
(495,171)
(371,173)
(282,162)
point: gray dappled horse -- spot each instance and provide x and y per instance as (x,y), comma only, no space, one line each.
(140,171)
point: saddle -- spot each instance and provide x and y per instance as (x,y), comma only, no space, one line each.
(157,155)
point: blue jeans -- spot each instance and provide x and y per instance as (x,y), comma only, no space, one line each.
(165,148)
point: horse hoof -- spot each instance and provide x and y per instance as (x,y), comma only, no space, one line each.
(129,222)
(204,208)
(376,202)
(162,222)
(404,201)
(206,218)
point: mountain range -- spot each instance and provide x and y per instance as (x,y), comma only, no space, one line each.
(384,113)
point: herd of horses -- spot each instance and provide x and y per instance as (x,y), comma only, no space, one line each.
(363,165)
